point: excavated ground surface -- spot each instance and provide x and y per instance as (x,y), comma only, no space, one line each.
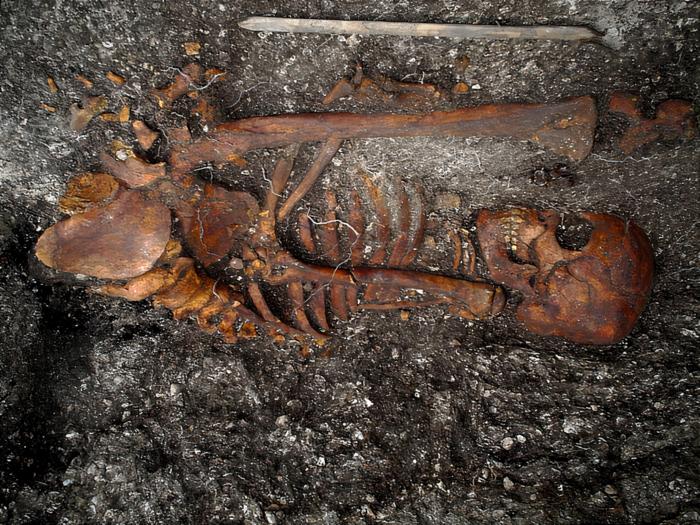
(111,412)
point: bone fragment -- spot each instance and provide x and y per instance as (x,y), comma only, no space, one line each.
(674,119)
(133,171)
(86,190)
(145,135)
(80,117)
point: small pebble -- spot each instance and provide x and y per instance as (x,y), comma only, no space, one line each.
(282,421)
(507,444)
(508,484)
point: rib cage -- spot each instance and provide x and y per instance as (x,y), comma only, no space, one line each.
(342,240)
(345,238)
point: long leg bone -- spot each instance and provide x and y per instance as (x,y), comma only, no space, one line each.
(564,127)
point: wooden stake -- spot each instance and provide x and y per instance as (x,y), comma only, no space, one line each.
(464,31)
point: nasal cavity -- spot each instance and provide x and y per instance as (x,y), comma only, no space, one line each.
(573,232)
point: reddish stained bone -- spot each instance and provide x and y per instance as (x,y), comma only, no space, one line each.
(227,326)
(324,156)
(330,244)
(144,135)
(351,298)
(187,282)
(387,285)
(305,233)
(256,296)
(140,287)
(212,225)
(190,74)
(419,233)
(592,296)
(382,227)
(481,299)
(134,172)
(343,88)
(80,117)
(188,293)
(330,249)
(457,244)
(565,127)
(87,190)
(399,249)
(357,223)
(222,298)
(295,270)
(223,223)
(296,294)
(280,176)
(403,304)
(270,319)
(317,306)
(120,240)
(328,231)
(470,259)
(392,93)
(206,112)
(674,119)
(338,301)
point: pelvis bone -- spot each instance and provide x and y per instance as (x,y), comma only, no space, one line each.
(225,262)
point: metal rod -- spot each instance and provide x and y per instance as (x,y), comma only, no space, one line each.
(465,31)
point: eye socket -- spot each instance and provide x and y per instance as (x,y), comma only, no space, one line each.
(513,257)
(573,232)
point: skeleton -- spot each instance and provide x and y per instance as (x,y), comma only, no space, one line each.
(120,232)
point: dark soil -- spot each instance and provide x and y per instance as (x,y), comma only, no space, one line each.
(112,412)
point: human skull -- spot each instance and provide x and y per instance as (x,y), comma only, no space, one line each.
(590,295)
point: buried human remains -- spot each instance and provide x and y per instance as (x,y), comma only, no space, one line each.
(119,232)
